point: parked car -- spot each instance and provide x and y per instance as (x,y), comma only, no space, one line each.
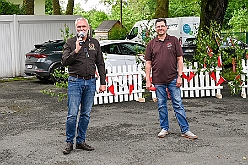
(46,57)
(189,48)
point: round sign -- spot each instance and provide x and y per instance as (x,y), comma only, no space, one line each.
(186,28)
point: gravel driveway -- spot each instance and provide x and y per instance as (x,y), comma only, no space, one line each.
(32,126)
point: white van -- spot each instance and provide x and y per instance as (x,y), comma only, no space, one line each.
(181,27)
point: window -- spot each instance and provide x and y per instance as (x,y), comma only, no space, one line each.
(132,48)
(111,49)
(133,33)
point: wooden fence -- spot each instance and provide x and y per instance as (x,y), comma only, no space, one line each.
(124,83)
(204,84)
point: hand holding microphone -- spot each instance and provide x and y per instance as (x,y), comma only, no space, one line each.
(79,41)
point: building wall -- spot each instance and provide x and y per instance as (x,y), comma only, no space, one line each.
(101,35)
(19,33)
(39,6)
(104,35)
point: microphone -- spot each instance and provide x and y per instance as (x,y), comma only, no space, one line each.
(81,36)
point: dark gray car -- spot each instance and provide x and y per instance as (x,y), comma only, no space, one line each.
(44,59)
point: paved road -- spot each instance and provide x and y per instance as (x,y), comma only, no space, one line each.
(32,127)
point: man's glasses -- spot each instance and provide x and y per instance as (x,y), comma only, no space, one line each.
(86,52)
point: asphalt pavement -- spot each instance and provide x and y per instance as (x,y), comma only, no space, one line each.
(32,126)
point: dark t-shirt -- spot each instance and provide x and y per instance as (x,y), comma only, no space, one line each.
(163,55)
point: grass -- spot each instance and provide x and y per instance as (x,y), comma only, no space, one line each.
(16,79)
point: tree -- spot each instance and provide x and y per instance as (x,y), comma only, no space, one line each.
(29,7)
(183,8)
(133,11)
(162,9)
(94,17)
(7,8)
(233,9)
(69,7)
(212,11)
(56,7)
(49,7)
(239,20)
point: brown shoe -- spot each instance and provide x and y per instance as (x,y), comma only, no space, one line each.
(68,148)
(84,146)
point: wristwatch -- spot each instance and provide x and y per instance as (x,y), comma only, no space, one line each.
(180,75)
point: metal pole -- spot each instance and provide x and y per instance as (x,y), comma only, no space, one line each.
(121,12)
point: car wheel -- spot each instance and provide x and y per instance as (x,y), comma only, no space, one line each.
(53,73)
(42,78)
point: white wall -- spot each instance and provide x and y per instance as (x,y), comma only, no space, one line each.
(19,33)
(39,6)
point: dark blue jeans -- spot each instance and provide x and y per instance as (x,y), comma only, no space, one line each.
(177,104)
(80,97)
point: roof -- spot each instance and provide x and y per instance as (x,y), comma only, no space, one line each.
(106,25)
(106,42)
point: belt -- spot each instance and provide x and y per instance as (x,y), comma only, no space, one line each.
(82,77)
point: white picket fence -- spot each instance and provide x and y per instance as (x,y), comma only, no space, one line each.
(200,85)
(124,83)
(244,79)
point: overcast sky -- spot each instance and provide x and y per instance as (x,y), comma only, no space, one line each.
(91,4)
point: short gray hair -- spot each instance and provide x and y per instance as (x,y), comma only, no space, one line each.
(78,19)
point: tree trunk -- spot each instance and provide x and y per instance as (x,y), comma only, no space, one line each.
(29,7)
(212,10)
(69,7)
(162,9)
(56,7)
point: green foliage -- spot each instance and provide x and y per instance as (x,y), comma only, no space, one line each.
(132,11)
(8,8)
(61,75)
(94,17)
(232,6)
(49,7)
(183,8)
(205,40)
(208,60)
(16,79)
(238,22)
(117,34)
(66,32)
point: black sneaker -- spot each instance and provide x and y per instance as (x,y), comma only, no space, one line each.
(84,146)
(68,148)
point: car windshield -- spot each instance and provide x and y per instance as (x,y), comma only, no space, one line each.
(38,48)
(123,48)
(132,48)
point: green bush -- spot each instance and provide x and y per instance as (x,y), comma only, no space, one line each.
(8,8)
(117,34)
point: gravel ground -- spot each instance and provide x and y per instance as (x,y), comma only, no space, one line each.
(32,126)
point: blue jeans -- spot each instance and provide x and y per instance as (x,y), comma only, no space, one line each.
(177,104)
(80,97)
